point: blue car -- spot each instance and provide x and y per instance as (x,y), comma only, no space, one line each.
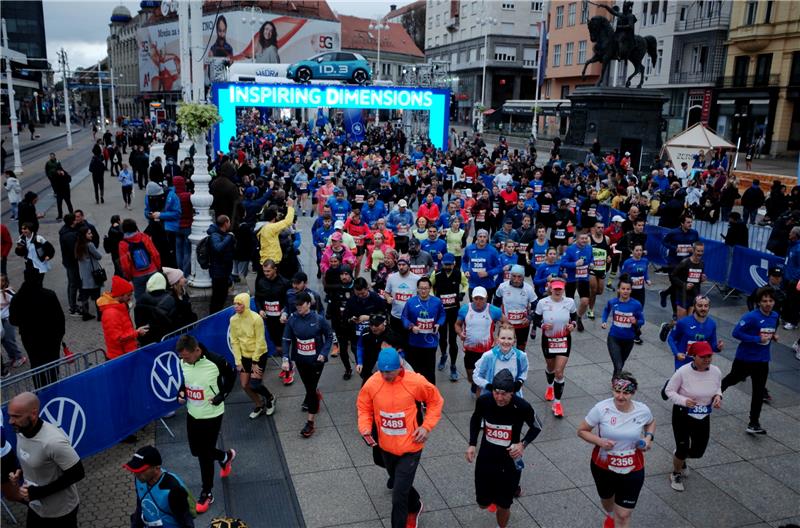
(332,65)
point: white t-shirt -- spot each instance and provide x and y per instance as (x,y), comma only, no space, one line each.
(556,313)
(401,289)
(625,428)
(516,302)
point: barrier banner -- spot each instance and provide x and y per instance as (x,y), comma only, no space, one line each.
(750,268)
(656,251)
(716,261)
(353,123)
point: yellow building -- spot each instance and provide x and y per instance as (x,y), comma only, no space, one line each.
(759,95)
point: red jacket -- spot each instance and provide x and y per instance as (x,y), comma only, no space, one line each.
(126,261)
(429,212)
(187,211)
(5,241)
(118,330)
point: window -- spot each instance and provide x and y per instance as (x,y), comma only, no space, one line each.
(564,91)
(430,22)
(659,60)
(568,53)
(559,17)
(750,11)
(581,52)
(654,13)
(481,53)
(473,31)
(710,10)
(536,6)
(557,55)
(547,85)
(529,57)
(768,13)
(534,30)
(436,40)
(644,13)
(438,20)
(763,67)
(794,76)
(584,12)
(462,58)
(508,28)
(699,59)
(508,6)
(473,53)
(682,16)
(571,14)
(453,59)
(664,12)
(505,53)
(444,38)
(740,66)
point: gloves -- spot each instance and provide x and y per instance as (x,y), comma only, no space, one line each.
(517,385)
(216,400)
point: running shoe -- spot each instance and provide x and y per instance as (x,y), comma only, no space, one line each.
(19,362)
(281,374)
(755,429)
(685,470)
(767,397)
(789,326)
(319,395)
(390,483)
(205,500)
(661,271)
(638,340)
(347,374)
(549,394)
(664,332)
(590,313)
(74,313)
(492,508)
(270,406)
(307,430)
(533,334)
(413,518)
(609,522)
(580,325)
(288,379)
(609,286)
(226,468)
(676,481)
(453,375)
(258,411)
(442,363)
(663,294)
(558,410)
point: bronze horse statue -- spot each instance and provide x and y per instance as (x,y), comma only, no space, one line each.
(606,49)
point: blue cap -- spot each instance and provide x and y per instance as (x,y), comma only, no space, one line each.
(448,258)
(388,359)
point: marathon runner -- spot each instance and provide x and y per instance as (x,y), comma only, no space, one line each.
(161,488)
(400,287)
(504,355)
(371,342)
(450,286)
(271,293)
(627,318)
(550,268)
(601,257)
(686,279)
(480,264)
(517,300)
(636,267)
(423,316)
(576,261)
(475,325)
(498,468)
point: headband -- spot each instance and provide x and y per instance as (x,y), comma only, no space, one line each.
(623,385)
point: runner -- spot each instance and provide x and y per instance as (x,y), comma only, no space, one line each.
(307,340)
(756,332)
(390,399)
(694,389)
(481,263)
(686,279)
(400,287)
(161,488)
(698,326)
(363,303)
(601,257)
(575,261)
(422,317)
(556,316)
(475,325)
(538,249)
(627,320)
(250,353)
(636,267)
(508,257)
(360,231)
(503,356)
(370,344)
(517,300)
(338,296)
(679,243)
(498,468)
(549,269)
(419,262)
(271,295)
(625,429)
(450,286)
(207,381)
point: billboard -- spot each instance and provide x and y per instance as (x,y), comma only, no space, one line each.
(233,38)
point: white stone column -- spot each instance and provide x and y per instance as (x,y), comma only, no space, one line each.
(201,202)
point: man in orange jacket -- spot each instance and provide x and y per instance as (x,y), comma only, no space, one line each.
(389,399)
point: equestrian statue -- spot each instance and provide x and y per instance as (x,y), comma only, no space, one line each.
(620,44)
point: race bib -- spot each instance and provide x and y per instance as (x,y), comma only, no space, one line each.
(557,345)
(699,411)
(481,216)
(621,462)
(497,434)
(418,269)
(307,347)
(624,319)
(402,296)
(359,240)
(538,258)
(402,230)
(581,272)
(515,317)
(359,198)
(303,186)
(425,325)
(637,282)
(522,248)
(599,264)
(273,308)
(545,209)
(768,333)
(478,264)
(694,275)
(683,250)
(393,424)
(561,233)
(195,394)
(448,299)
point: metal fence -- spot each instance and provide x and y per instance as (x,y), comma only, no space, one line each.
(757,235)
(48,374)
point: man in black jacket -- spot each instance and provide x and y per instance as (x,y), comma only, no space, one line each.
(221,247)
(67,238)
(752,199)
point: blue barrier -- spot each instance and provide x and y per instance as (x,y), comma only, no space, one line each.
(100,406)
(656,251)
(750,269)
(716,257)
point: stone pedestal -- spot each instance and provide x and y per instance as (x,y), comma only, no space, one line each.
(625,118)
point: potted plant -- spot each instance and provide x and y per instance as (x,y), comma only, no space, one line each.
(196,119)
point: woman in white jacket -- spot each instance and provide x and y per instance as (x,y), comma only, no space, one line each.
(13,191)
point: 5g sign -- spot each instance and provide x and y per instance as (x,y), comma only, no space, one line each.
(326,42)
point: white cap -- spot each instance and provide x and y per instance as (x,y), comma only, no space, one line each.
(479,291)
(617,218)
(338,225)
(627,153)
(402,203)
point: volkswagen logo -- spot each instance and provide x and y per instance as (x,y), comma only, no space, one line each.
(66,414)
(166,376)
(357,129)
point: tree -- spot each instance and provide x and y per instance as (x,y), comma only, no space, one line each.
(414,23)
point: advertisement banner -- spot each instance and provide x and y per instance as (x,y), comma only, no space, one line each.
(353,124)
(750,269)
(716,261)
(273,39)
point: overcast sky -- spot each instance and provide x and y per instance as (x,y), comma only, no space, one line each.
(82,27)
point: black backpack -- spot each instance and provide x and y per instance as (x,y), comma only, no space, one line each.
(204,253)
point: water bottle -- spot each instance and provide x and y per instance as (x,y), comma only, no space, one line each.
(641,443)
(519,463)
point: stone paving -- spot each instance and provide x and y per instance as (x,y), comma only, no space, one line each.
(741,481)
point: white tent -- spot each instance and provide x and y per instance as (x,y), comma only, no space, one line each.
(684,145)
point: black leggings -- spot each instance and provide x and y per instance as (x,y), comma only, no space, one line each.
(69,520)
(202,435)
(98,183)
(346,342)
(423,361)
(691,435)
(758,372)
(126,194)
(448,338)
(405,499)
(619,350)
(309,375)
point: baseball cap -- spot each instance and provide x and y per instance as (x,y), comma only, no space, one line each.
(377,319)
(479,291)
(336,236)
(345,269)
(338,225)
(338,191)
(516,269)
(776,271)
(617,218)
(402,203)
(557,283)
(145,458)
(508,221)
(388,359)
(448,258)
(300,276)
(627,153)
(700,348)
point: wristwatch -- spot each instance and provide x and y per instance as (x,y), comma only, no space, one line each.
(651,435)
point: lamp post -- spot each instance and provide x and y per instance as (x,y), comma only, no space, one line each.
(251,20)
(377,25)
(12,110)
(490,21)
(102,105)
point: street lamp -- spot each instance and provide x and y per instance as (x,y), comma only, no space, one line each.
(36,105)
(379,26)
(490,21)
(253,10)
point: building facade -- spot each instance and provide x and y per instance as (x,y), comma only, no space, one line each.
(26,35)
(460,32)
(759,94)
(123,55)
(412,18)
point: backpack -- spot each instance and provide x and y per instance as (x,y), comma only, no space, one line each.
(204,253)
(139,255)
